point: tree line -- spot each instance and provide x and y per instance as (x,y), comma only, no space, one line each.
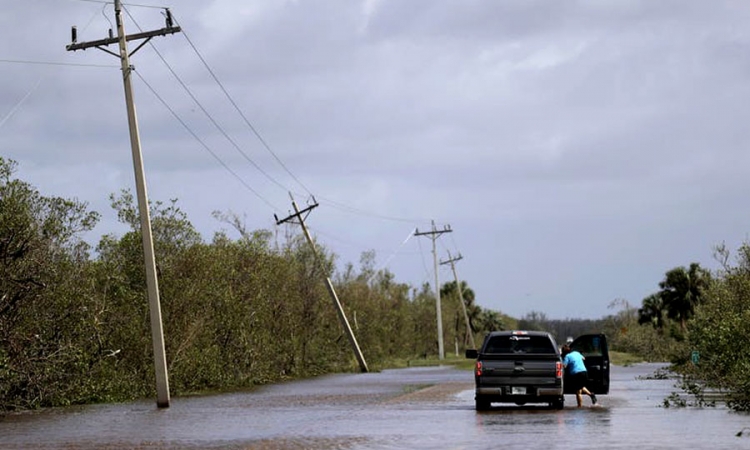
(74,320)
(699,321)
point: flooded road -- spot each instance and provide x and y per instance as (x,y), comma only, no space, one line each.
(418,408)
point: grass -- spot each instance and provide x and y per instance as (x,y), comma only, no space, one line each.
(624,359)
(616,358)
(450,360)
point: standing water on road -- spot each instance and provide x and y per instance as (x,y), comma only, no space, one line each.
(417,408)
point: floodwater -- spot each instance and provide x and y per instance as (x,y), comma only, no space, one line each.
(417,408)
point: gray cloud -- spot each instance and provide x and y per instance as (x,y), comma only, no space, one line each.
(579,149)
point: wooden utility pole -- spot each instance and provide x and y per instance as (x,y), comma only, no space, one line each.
(434,235)
(300,220)
(157,333)
(469,339)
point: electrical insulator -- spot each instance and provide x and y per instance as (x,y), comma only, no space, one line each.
(170,22)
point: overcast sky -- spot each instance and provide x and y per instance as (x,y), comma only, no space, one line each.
(578,149)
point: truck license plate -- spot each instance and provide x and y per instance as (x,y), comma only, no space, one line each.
(518,391)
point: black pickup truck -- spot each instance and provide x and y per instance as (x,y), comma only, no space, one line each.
(526,367)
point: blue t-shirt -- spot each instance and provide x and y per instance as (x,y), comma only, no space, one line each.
(574,362)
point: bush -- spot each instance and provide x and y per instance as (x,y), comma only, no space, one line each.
(720,334)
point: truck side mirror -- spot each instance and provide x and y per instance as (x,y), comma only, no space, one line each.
(471,353)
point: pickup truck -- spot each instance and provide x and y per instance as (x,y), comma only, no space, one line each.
(526,367)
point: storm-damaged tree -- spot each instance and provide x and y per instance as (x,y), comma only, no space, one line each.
(720,333)
(44,318)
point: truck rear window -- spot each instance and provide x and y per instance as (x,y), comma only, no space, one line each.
(520,344)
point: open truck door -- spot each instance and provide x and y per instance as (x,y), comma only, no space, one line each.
(595,350)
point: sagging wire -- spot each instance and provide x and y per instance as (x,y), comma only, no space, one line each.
(385,263)
(203,144)
(208,115)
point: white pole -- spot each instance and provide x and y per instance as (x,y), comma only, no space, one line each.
(441,351)
(332,292)
(157,334)
(469,334)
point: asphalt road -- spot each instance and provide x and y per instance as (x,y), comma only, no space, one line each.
(417,408)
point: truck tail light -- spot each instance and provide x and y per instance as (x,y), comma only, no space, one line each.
(558,369)
(478,371)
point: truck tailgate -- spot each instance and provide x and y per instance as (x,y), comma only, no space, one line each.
(519,371)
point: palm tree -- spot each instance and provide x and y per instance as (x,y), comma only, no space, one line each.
(682,290)
(490,321)
(652,311)
(450,289)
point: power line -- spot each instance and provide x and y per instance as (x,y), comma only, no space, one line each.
(351,243)
(455,245)
(434,234)
(424,263)
(454,241)
(333,203)
(239,110)
(124,4)
(336,238)
(144,6)
(209,116)
(38,83)
(336,205)
(157,334)
(203,144)
(299,218)
(20,102)
(445,247)
(53,63)
(387,260)
(361,212)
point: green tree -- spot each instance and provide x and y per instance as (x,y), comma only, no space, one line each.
(455,311)
(490,320)
(682,290)
(652,312)
(237,313)
(720,333)
(45,348)
(534,320)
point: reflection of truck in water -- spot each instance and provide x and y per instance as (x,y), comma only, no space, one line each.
(526,367)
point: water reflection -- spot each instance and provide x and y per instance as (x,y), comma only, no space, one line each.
(521,423)
(388,410)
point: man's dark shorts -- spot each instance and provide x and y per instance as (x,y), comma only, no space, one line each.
(578,380)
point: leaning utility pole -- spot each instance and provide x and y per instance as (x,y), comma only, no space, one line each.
(339,309)
(434,234)
(452,261)
(157,333)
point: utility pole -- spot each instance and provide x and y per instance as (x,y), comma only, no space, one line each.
(329,285)
(452,261)
(434,235)
(157,333)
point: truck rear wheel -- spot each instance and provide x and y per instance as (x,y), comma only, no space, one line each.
(482,404)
